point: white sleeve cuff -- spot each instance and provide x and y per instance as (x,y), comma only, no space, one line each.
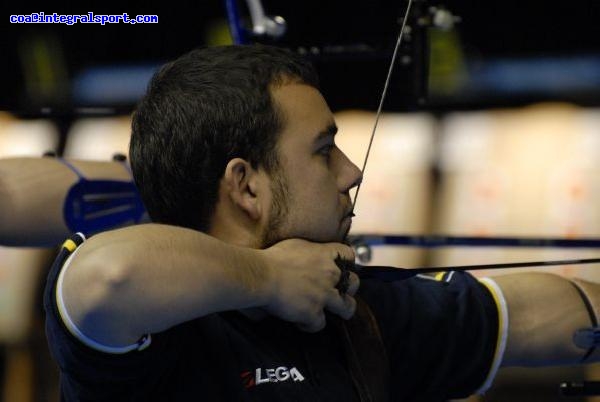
(143,343)
(496,292)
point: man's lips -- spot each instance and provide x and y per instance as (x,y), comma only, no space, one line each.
(349,214)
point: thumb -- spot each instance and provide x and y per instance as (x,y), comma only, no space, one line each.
(343,252)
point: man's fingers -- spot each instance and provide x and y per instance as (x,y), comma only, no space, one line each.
(344,260)
(343,251)
(353,284)
(301,293)
(342,283)
(317,324)
(350,306)
(342,305)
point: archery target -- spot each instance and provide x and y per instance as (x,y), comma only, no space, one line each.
(397,187)
(99,138)
(525,172)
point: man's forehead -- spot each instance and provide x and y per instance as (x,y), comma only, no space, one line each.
(304,111)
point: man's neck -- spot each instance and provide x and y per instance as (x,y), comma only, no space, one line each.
(235,234)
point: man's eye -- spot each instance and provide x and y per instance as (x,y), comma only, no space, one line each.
(326,150)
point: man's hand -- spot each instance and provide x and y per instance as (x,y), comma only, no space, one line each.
(302,282)
(147,278)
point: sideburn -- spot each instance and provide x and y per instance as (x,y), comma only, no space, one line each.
(279,209)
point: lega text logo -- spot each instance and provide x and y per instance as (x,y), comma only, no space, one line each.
(263,376)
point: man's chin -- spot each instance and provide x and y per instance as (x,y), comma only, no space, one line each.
(342,234)
(340,237)
(346,230)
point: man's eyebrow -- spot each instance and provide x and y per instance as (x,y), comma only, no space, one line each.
(331,130)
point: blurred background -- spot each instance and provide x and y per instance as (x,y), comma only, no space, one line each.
(491,127)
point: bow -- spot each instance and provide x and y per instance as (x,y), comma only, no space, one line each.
(268,27)
(362,244)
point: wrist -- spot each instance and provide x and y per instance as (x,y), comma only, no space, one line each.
(258,277)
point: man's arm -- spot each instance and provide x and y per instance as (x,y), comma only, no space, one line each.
(544,312)
(144,279)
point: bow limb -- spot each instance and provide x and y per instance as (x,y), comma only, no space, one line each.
(383,95)
(431,269)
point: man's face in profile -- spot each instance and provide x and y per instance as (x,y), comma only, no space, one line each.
(310,191)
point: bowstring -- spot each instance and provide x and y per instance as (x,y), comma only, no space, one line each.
(382,99)
(378,114)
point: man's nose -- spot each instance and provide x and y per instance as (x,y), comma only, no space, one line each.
(350,175)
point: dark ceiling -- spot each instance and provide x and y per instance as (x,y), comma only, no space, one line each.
(489,29)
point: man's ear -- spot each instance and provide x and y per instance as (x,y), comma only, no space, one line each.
(242,186)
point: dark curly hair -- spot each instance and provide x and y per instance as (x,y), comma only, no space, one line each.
(200,111)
